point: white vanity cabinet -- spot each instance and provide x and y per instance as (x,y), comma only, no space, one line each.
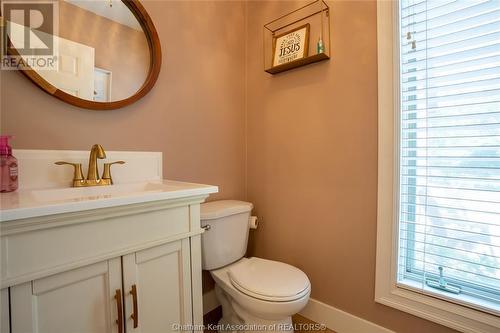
(129,268)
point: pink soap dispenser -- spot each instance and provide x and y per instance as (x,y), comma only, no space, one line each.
(8,166)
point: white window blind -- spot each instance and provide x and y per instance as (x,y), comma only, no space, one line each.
(449,184)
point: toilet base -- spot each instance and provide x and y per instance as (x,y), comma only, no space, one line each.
(235,319)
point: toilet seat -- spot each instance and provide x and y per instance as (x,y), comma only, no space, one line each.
(269,280)
(254,305)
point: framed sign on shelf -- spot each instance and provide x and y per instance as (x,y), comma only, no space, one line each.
(291,46)
(297,38)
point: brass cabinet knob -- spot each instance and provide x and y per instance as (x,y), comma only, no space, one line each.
(135,314)
(119,310)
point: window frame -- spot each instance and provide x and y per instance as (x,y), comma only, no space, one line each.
(454,315)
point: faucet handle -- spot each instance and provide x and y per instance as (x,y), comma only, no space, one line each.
(78,174)
(106,174)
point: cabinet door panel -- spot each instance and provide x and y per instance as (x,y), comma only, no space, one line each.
(4,311)
(163,281)
(77,301)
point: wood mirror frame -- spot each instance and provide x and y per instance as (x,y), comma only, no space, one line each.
(147,25)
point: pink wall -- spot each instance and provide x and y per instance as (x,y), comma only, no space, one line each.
(312,162)
(194,114)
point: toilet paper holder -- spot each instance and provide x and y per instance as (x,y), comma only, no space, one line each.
(253,222)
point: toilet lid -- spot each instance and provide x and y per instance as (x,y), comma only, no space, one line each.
(269,280)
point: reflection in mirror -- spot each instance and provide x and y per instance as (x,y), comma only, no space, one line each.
(102,52)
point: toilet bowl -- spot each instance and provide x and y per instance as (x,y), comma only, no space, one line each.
(256,294)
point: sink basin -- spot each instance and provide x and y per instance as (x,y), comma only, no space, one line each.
(41,202)
(98,192)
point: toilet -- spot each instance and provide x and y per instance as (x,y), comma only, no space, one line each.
(256,294)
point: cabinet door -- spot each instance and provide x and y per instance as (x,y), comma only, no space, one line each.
(4,311)
(162,280)
(77,301)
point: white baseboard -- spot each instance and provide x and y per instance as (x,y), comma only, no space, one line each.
(210,301)
(319,312)
(338,320)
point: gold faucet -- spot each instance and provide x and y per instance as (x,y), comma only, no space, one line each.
(93,179)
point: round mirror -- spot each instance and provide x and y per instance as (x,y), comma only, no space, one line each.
(96,54)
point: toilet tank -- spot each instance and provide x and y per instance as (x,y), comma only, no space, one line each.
(225,240)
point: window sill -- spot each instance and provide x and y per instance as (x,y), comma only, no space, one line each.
(442,312)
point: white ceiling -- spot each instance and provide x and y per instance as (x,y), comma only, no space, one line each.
(118,12)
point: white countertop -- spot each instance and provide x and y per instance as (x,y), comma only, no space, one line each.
(41,202)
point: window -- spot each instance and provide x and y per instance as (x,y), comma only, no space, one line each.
(449,194)
(438,230)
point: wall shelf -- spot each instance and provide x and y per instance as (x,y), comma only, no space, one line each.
(317,16)
(298,63)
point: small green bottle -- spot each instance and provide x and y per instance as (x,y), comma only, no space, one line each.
(320,46)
